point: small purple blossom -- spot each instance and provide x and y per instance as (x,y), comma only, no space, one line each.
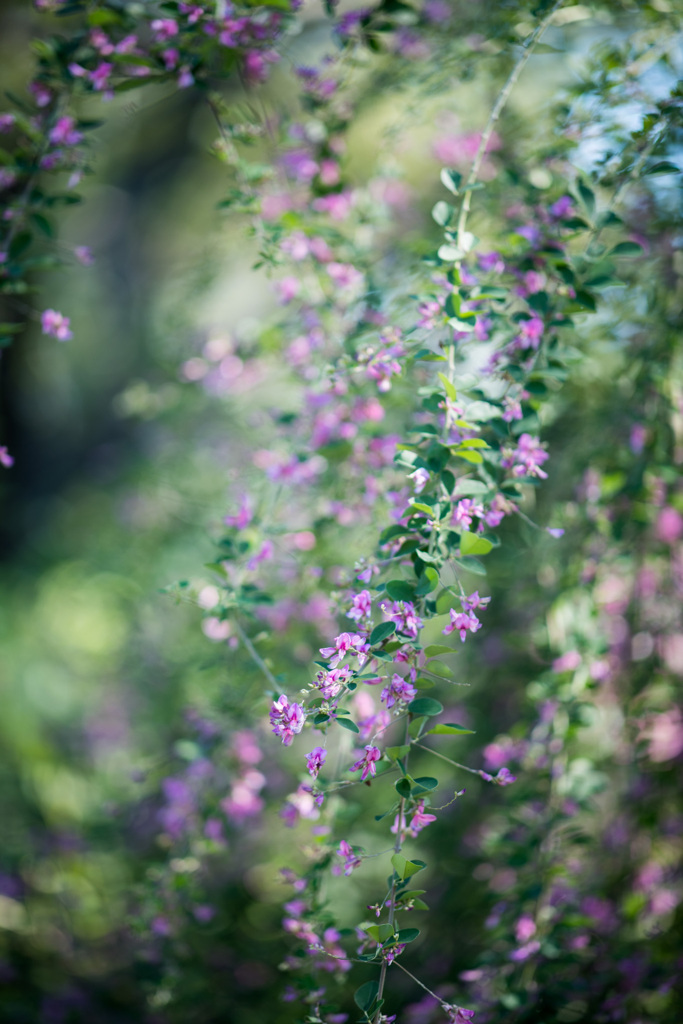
(315,760)
(407,620)
(361,606)
(463,622)
(56,324)
(527,458)
(346,643)
(351,859)
(399,690)
(367,762)
(6,459)
(503,778)
(287,719)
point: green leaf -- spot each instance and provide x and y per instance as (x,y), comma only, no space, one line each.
(472,565)
(402,788)
(365,996)
(381,632)
(405,868)
(474,442)
(449,253)
(663,167)
(396,752)
(449,729)
(399,590)
(468,456)
(422,683)
(426,782)
(450,180)
(426,557)
(626,249)
(380,933)
(449,387)
(412,893)
(421,507)
(429,581)
(420,905)
(348,725)
(433,650)
(439,669)
(407,935)
(481,412)
(425,706)
(587,197)
(20,244)
(471,544)
(442,213)
(415,727)
(390,533)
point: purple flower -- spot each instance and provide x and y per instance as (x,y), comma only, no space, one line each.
(503,778)
(464,511)
(398,690)
(56,324)
(406,618)
(64,133)
(346,643)
(462,621)
(287,719)
(361,607)
(315,760)
(457,1014)
(367,762)
(351,859)
(527,458)
(6,459)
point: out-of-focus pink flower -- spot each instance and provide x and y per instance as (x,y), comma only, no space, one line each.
(56,324)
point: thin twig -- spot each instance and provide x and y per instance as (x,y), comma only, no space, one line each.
(473,176)
(256,657)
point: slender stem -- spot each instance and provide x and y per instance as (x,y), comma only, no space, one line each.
(392,892)
(256,657)
(529,44)
(472,771)
(418,982)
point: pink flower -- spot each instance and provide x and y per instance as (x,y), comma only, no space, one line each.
(462,621)
(420,478)
(351,859)
(164,29)
(56,324)
(474,601)
(407,620)
(464,512)
(84,255)
(337,205)
(525,928)
(361,607)
(331,683)
(64,133)
(6,122)
(527,458)
(243,518)
(100,76)
(288,288)
(669,527)
(346,643)
(367,762)
(287,719)
(503,778)
(6,459)
(315,760)
(420,819)
(398,690)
